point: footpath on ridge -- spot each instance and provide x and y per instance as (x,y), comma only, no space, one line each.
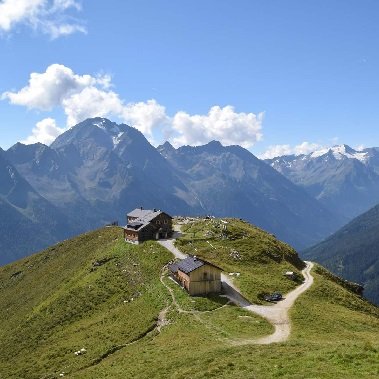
(276,314)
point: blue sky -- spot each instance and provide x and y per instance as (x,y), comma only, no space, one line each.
(258,73)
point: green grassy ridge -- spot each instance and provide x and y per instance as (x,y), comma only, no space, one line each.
(227,320)
(74,304)
(334,332)
(315,314)
(329,340)
(187,348)
(238,246)
(196,303)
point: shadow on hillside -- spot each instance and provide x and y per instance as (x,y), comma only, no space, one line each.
(234,295)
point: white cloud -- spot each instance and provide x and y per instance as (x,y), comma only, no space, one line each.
(222,124)
(274,151)
(45,132)
(48,16)
(280,150)
(84,96)
(49,89)
(91,102)
(95,102)
(145,116)
(306,148)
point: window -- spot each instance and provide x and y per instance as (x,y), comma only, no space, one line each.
(205,275)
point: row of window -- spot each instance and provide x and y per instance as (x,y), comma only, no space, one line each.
(159,222)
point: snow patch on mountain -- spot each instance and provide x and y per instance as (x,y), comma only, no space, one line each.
(11,172)
(116,139)
(109,127)
(340,152)
(100,124)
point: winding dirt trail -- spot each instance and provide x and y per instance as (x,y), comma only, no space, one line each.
(276,314)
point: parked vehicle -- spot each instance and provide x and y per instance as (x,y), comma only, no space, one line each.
(275,296)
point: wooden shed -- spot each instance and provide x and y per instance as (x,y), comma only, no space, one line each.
(197,276)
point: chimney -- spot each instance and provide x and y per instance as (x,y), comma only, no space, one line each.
(141,208)
(155,209)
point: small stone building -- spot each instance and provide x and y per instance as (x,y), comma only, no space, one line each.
(146,224)
(197,276)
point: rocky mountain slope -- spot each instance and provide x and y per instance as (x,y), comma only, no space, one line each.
(353,252)
(229,180)
(28,221)
(98,170)
(344,180)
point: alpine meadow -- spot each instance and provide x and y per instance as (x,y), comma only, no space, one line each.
(189,189)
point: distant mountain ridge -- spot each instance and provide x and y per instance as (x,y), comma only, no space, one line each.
(97,170)
(229,180)
(28,221)
(344,180)
(102,169)
(353,252)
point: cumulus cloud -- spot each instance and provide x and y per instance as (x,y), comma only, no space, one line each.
(84,96)
(222,124)
(49,89)
(145,116)
(45,132)
(280,150)
(48,16)
(91,102)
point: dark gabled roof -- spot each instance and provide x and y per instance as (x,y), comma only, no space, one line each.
(190,264)
(142,218)
(135,225)
(145,215)
(173,267)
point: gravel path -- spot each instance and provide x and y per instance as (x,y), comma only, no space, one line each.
(169,245)
(276,314)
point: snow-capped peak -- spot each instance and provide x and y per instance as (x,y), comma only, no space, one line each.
(340,152)
(108,126)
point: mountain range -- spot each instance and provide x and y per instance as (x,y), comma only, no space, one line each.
(344,180)
(229,180)
(353,252)
(28,221)
(98,170)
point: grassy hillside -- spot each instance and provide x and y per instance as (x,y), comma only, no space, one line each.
(78,294)
(94,291)
(238,247)
(330,340)
(353,253)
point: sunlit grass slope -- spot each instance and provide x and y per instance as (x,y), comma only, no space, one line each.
(78,294)
(334,336)
(237,246)
(94,292)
